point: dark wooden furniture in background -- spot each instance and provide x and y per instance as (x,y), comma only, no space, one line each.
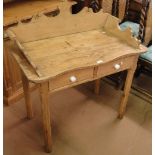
(138,12)
(96,5)
(133,10)
(144,19)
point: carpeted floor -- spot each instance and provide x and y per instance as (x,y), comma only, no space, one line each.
(82,123)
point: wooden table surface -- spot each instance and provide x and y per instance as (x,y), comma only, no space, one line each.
(71,52)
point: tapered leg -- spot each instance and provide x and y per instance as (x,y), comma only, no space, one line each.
(27,95)
(97,86)
(46,116)
(126,92)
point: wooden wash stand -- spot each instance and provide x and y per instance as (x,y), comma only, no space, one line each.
(64,51)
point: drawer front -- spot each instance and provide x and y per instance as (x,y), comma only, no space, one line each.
(116,66)
(71,78)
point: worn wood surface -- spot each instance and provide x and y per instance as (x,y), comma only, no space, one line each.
(48,27)
(17,11)
(126,92)
(112,27)
(124,62)
(73,52)
(64,80)
(46,115)
(74,41)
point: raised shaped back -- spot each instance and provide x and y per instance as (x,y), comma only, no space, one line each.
(42,27)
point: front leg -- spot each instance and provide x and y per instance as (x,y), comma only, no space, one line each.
(126,92)
(46,116)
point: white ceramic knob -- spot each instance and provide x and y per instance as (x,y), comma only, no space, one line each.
(117,66)
(99,61)
(73,79)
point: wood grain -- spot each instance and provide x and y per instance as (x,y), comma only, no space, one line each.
(27,93)
(48,27)
(94,46)
(112,27)
(13,12)
(44,89)
(44,44)
(126,92)
(63,80)
(125,62)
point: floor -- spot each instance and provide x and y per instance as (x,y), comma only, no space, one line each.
(144,82)
(82,123)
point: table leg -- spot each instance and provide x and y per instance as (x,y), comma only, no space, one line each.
(46,116)
(97,86)
(27,95)
(126,92)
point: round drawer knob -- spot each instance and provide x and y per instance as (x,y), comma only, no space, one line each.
(99,61)
(73,79)
(117,66)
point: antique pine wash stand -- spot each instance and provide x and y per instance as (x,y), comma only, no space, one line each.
(60,52)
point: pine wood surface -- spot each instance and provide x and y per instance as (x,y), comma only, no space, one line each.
(43,88)
(47,27)
(72,45)
(66,55)
(13,12)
